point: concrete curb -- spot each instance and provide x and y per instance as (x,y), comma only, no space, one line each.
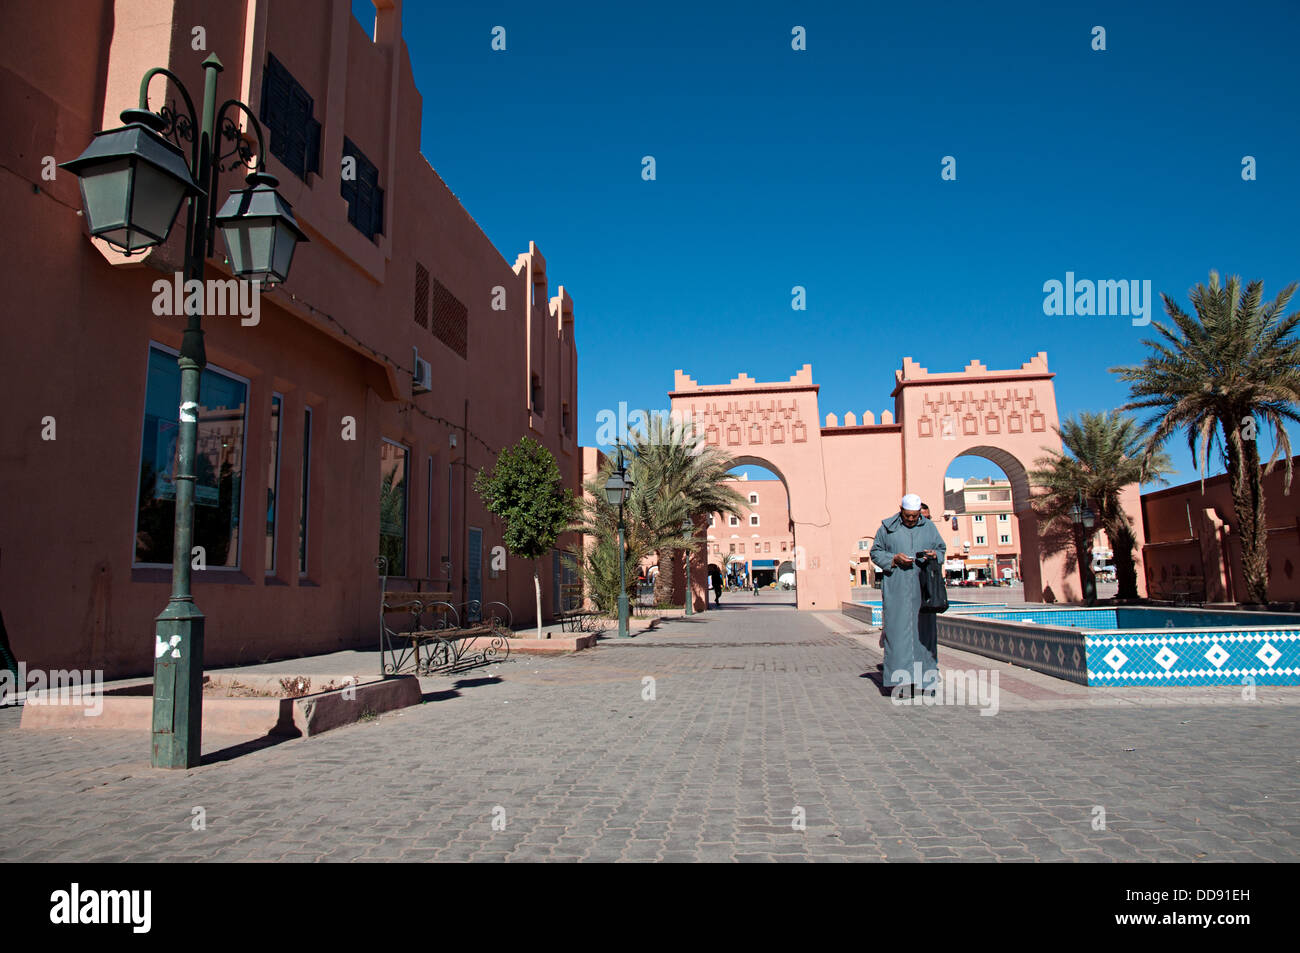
(291,717)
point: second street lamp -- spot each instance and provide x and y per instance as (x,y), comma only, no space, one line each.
(132,183)
(618,488)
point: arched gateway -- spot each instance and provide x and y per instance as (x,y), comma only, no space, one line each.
(844,478)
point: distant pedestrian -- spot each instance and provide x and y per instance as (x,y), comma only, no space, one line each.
(715,577)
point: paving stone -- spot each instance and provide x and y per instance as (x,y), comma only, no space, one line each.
(760,710)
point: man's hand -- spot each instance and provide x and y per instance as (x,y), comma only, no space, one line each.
(902,559)
(931,553)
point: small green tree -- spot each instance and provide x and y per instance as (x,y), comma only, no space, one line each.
(524,489)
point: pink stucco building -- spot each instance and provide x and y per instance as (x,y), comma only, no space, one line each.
(316,452)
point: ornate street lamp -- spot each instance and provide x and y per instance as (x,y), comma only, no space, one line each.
(132,183)
(688,526)
(618,490)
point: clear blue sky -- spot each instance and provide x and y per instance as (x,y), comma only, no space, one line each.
(821,168)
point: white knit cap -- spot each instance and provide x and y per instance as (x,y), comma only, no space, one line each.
(910,502)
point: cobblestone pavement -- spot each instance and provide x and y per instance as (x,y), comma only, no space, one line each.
(761,716)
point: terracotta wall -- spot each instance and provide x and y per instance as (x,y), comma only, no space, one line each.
(1190,533)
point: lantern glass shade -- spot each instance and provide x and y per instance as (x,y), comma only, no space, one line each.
(259,248)
(614,488)
(260,231)
(132,184)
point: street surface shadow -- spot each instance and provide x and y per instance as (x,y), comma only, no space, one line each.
(877,678)
(245,748)
(455,690)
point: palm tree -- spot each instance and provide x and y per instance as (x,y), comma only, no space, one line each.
(1213,375)
(675,476)
(649,528)
(683,478)
(1106,453)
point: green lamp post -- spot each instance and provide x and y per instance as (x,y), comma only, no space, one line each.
(133,181)
(618,489)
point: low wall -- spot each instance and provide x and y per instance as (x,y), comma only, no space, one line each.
(1047,649)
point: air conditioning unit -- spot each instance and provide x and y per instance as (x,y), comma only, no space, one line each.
(422,381)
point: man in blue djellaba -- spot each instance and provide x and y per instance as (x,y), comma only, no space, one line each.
(911,637)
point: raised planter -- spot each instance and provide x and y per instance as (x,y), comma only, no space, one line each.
(556,645)
(292,717)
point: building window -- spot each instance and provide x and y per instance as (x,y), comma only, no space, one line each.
(979,540)
(1004,538)
(753,519)
(742,549)
(218,464)
(1004,518)
(394,465)
(306,492)
(536,397)
(710,519)
(733,547)
(767,547)
(273,480)
(450,319)
(360,187)
(753,497)
(783,547)
(287,116)
(979,521)
(733,521)
(564,417)
(981,496)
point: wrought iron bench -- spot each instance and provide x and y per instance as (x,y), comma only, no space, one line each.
(570,613)
(439,638)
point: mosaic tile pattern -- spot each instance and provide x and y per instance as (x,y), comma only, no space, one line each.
(1222,656)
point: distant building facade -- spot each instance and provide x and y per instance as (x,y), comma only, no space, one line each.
(984,543)
(757,546)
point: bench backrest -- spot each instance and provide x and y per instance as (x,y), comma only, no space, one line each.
(572,596)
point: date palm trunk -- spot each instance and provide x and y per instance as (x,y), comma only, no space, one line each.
(1083,553)
(1246,486)
(664,578)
